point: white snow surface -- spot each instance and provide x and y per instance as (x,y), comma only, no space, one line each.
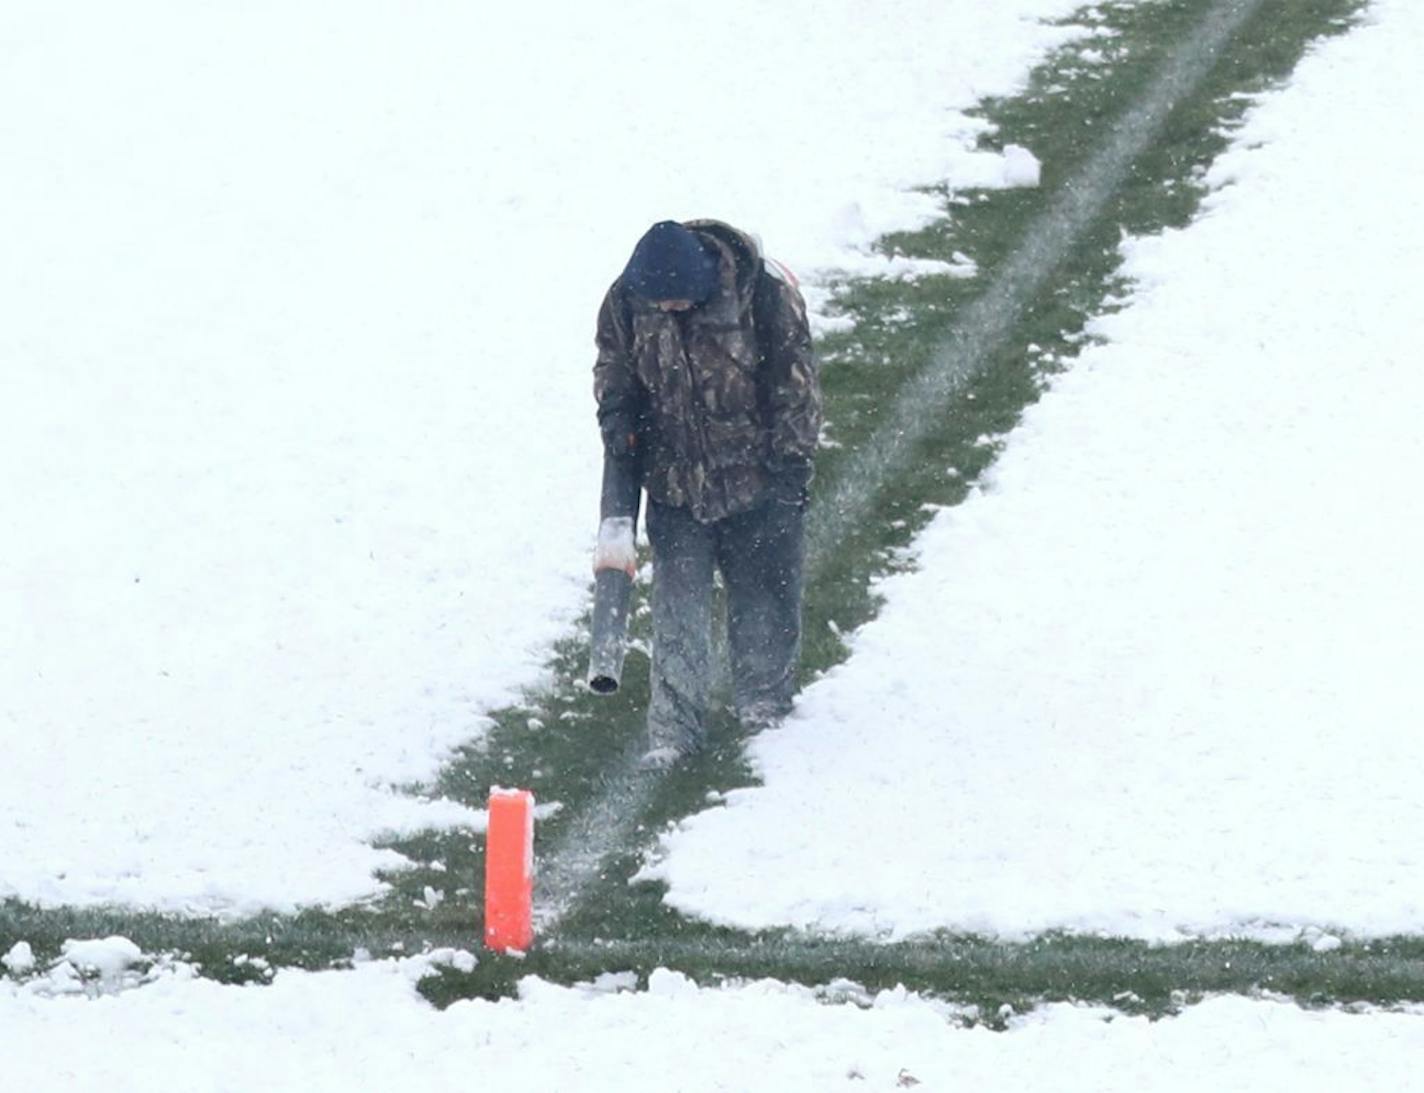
(1159,678)
(298,470)
(19,959)
(367,1029)
(107,957)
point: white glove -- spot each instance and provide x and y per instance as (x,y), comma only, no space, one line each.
(616,548)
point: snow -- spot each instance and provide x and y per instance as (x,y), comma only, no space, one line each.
(92,968)
(107,957)
(297,445)
(368,1029)
(1157,679)
(19,959)
(1153,680)
(1020,167)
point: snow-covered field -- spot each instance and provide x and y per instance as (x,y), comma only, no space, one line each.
(268,475)
(1159,677)
(367,1029)
(297,452)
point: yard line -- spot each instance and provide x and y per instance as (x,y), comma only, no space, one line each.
(990,319)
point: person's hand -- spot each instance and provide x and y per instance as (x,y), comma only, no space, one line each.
(619,439)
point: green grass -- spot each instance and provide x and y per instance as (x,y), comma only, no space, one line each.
(1134,976)
(568,745)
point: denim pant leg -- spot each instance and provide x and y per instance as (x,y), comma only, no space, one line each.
(761,554)
(683,557)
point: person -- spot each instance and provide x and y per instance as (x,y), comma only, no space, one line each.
(705,369)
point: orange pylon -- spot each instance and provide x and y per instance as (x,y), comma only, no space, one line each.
(509,870)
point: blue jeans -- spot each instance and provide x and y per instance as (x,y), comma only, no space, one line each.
(760,554)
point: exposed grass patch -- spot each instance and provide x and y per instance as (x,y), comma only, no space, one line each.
(1132,976)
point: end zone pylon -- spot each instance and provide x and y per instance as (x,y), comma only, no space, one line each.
(509,870)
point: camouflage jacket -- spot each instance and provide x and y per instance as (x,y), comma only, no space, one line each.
(722,397)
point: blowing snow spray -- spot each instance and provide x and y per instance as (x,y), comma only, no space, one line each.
(509,871)
(614,563)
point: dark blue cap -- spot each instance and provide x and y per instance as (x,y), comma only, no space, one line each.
(670,263)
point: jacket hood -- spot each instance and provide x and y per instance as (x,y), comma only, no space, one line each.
(741,253)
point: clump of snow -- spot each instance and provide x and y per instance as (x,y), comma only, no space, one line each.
(663,983)
(1021,167)
(613,982)
(460,960)
(107,957)
(431,898)
(20,959)
(92,967)
(1015,166)
(259,964)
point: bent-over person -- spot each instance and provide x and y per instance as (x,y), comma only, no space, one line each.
(705,369)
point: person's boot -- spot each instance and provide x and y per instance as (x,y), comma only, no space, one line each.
(674,729)
(667,749)
(762,713)
(662,757)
